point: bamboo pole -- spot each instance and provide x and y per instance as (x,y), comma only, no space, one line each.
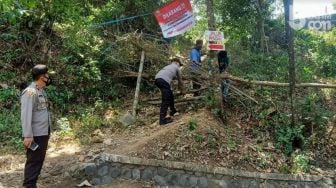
(245,81)
(178,100)
(137,90)
(276,84)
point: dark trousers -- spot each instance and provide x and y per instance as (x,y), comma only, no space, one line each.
(196,82)
(167,97)
(35,161)
(196,86)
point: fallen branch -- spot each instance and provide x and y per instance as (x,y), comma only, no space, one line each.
(130,74)
(178,100)
(244,94)
(275,84)
(176,94)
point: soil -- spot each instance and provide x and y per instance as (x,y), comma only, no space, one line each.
(194,136)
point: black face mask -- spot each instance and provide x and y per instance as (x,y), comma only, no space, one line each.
(48,82)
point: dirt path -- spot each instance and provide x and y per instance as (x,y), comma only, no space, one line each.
(63,156)
(58,159)
(143,135)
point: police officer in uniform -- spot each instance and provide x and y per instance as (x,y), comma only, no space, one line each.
(163,81)
(35,119)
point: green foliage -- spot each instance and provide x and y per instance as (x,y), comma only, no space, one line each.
(59,98)
(88,58)
(300,164)
(279,123)
(86,124)
(64,126)
(265,160)
(260,66)
(285,169)
(210,99)
(8,95)
(238,16)
(285,135)
(121,9)
(212,142)
(231,144)
(313,113)
(197,32)
(26,27)
(247,158)
(10,127)
(199,138)
(259,148)
(312,118)
(212,139)
(319,51)
(88,121)
(213,103)
(6,75)
(217,112)
(192,125)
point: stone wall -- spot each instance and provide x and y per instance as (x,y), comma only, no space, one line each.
(105,168)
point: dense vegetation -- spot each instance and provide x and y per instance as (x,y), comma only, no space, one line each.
(89,60)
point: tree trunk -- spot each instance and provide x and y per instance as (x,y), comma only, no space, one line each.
(288,4)
(211,15)
(261,24)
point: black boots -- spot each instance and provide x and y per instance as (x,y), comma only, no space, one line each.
(174,113)
(165,121)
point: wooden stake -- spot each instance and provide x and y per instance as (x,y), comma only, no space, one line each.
(137,90)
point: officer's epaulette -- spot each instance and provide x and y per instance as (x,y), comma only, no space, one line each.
(30,91)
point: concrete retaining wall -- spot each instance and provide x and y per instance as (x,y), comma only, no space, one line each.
(108,167)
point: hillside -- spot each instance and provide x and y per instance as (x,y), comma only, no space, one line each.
(279,116)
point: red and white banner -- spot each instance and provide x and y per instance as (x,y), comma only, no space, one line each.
(175,18)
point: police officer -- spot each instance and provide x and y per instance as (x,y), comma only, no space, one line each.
(163,81)
(35,119)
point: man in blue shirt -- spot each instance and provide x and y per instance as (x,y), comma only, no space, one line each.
(195,66)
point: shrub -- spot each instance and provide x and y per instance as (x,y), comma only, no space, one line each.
(64,126)
(87,123)
(286,134)
(231,144)
(8,97)
(199,138)
(300,164)
(192,125)
(10,128)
